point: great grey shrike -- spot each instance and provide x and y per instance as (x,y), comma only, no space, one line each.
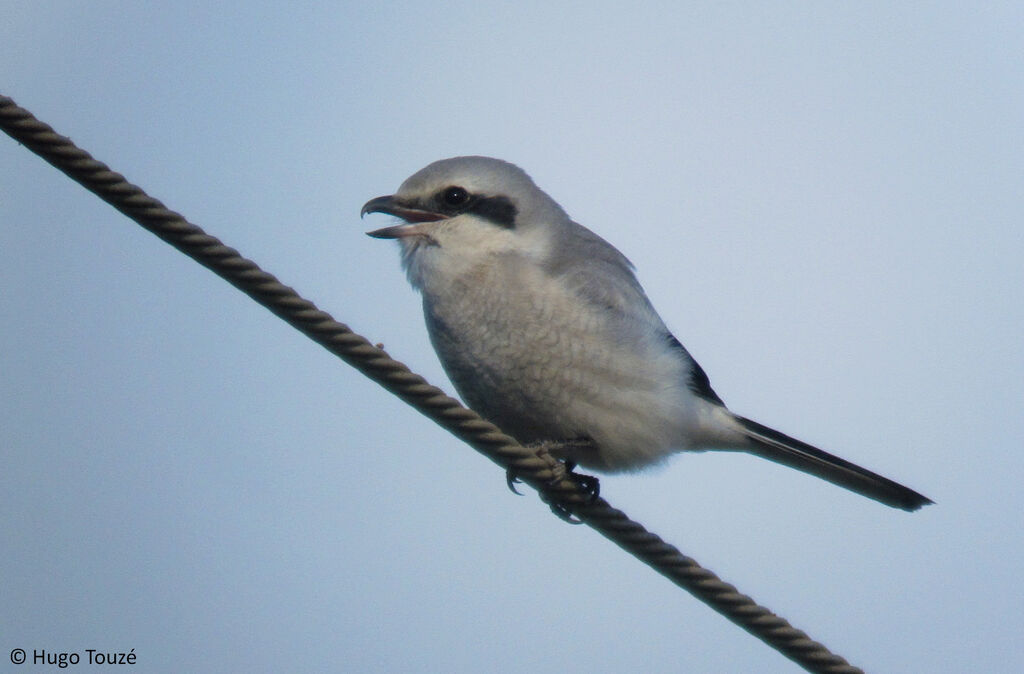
(544,330)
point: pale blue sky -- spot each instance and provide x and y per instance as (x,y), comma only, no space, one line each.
(824,202)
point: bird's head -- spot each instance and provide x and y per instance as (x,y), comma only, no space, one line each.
(468,207)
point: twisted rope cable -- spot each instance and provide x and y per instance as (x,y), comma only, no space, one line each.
(538,469)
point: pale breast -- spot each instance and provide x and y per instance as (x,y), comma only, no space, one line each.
(526,353)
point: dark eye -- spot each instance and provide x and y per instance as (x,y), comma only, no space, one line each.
(454,196)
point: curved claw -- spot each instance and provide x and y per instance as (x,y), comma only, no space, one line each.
(511,480)
(564,514)
(589,484)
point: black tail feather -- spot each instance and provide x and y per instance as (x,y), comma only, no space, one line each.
(775,446)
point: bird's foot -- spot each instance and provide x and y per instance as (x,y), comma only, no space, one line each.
(561,470)
(588,484)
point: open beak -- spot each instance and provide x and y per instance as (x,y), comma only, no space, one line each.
(413,217)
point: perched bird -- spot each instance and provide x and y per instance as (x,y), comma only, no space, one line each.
(544,330)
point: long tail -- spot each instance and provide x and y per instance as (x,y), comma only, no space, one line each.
(775,446)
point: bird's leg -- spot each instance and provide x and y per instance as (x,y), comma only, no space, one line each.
(561,470)
(589,484)
(542,450)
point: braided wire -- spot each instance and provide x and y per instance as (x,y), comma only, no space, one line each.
(538,469)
